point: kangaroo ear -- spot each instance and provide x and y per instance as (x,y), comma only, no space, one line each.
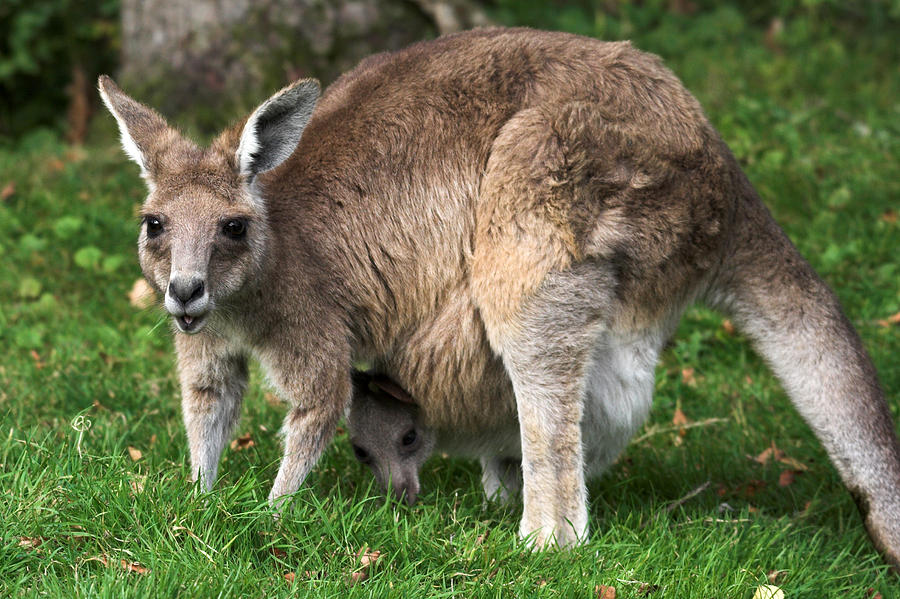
(142,128)
(273,130)
(393,389)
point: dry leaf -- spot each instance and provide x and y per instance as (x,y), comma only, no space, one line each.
(38,363)
(152,439)
(889,216)
(771,452)
(8,190)
(367,558)
(242,442)
(135,453)
(774,574)
(125,564)
(786,478)
(134,567)
(141,295)
(679,419)
(605,592)
(31,543)
(872,594)
(137,484)
(895,319)
(481,538)
(768,591)
(646,588)
(279,553)
(728,326)
(793,464)
(289,577)
(687,377)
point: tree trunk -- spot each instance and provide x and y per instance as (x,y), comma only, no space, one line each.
(209,58)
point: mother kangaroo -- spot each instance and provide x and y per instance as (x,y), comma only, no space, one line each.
(506,222)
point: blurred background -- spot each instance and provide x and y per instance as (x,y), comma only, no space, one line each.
(202,61)
(92,453)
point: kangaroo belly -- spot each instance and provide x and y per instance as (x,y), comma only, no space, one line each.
(447,365)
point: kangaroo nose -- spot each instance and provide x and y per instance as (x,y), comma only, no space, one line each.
(186,291)
(407,492)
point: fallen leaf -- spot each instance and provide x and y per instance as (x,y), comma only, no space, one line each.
(31,543)
(774,574)
(872,594)
(646,588)
(124,564)
(605,592)
(687,377)
(728,326)
(289,577)
(793,464)
(786,478)
(8,191)
(141,295)
(137,484)
(889,216)
(895,319)
(135,453)
(134,567)
(481,538)
(768,591)
(279,553)
(769,453)
(367,558)
(679,419)
(38,363)
(152,439)
(242,442)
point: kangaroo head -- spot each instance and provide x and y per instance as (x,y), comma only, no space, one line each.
(386,434)
(204,232)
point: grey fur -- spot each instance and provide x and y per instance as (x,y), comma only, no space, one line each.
(508,223)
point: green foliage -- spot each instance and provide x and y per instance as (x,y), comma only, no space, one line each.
(814,121)
(41,42)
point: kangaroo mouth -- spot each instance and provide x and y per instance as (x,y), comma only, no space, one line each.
(190,324)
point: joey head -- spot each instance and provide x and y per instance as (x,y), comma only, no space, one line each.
(386,435)
(507,222)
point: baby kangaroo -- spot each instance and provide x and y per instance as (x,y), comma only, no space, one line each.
(507,222)
(388,436)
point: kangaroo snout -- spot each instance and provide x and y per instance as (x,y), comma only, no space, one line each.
(405,490)
(188,301)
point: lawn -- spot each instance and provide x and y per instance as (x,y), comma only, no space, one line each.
(94,491)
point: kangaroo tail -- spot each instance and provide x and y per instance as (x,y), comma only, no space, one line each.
(797,325)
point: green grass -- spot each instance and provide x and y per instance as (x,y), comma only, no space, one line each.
(815,122)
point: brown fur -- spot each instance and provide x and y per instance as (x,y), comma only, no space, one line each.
(506,222)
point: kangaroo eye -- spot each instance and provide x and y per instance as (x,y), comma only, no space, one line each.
(409,438)
(154,226)
(361,454)
(235,228)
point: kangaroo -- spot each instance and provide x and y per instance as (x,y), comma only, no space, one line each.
(507,222)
